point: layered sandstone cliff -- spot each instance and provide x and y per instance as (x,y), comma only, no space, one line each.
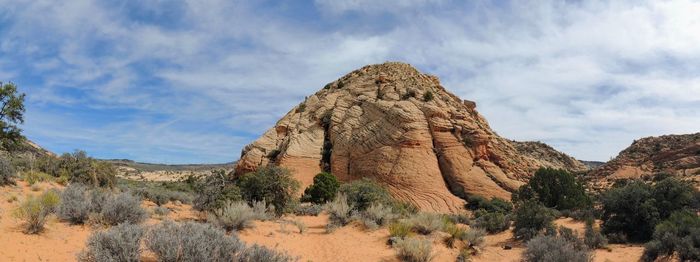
(677,155)
(393,124)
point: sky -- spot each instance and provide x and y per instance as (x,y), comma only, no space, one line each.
(195,81)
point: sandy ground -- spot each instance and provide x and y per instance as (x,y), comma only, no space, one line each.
(61,241)
(349,243)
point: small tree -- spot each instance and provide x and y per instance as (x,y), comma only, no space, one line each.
(634,210)
(532,218)
(11,114)
(273,185)
(554,188)
(324,189)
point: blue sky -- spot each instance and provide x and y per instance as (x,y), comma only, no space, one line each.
(195,81)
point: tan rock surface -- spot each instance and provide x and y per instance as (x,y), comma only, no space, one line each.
(378,122)
(677,155)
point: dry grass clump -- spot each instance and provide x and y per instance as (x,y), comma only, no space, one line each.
(35,210)
(414,250)
(239,215)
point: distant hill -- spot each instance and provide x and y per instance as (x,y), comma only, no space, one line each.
(130,169)
(677,155)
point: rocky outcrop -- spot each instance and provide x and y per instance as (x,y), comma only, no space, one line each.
(393,124)
(549,157)
(677,155)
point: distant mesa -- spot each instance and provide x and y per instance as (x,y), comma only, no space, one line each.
(391,123)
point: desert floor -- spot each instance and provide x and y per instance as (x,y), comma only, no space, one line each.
(62,241)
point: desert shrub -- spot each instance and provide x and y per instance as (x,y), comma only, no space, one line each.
(455,234)
(679,235)
(257,253)
(83,169)
(32,177)
(531,218)
(475,238)
(35,210)
(592,237)
(408,94)
(414,250)
(361,194)
(164,240)
(324,189)
(460,218)
(119,243)
(426,223)
(377,216)
(554,249)
(494,205)
(634,210)
(234,215)
(428,96)
(274,185)
(123,208)
(672,195)
(161,211)
(300,225)
(7,172)
(339,212)
(189,242)
(492,222)
(308,210)
(555,189)
(400,230)
(75,204)
(214,191)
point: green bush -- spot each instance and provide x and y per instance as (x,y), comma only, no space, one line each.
(214,191)
(428,96)
(493,205)
(324,189)
(531,219)
(273,185)
(634,210)
(554,249)
(555,189)
(678,235)
(361,194)
(81,168)
(7,172)
(119,243)
(492,222)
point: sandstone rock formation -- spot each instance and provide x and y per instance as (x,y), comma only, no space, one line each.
(391,123)
(677,155)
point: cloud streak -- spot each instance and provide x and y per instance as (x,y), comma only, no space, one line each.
(195,81)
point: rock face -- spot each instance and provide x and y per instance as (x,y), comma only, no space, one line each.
(393,124)
(677,155)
